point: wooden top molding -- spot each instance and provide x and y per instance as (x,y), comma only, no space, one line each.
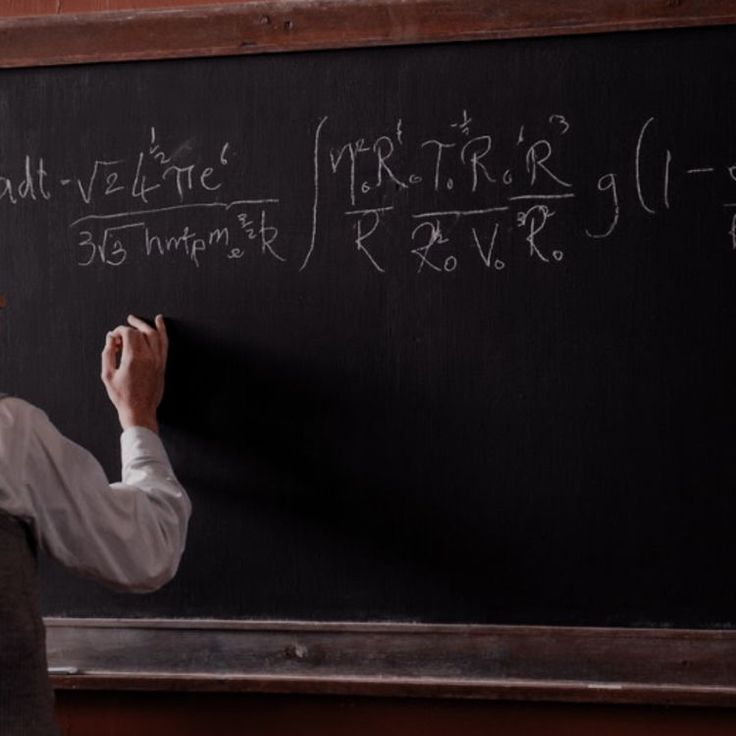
(298,25)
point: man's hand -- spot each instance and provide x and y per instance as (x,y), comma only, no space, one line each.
(133,367)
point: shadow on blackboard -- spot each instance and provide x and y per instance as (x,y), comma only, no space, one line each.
(243,424)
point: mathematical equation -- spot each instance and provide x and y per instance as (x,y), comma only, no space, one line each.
(491,195)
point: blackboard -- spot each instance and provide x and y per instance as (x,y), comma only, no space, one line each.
(451,325)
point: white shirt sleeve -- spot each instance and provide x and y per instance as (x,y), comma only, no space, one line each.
(128,535)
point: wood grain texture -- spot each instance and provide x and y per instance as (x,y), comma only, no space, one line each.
(662,667)
(24,8)
(15,8)
(292,25)
(92,6)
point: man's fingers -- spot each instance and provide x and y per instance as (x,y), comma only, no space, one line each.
(138,336)
(162,336)
(109,353)
(139,324)
(130,342)
(152,335)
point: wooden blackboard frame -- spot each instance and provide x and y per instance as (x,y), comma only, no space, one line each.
(533,663)
(262,26)
(654,666)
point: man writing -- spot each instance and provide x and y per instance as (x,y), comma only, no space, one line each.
(54,494)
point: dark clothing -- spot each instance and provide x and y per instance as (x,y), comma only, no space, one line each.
(26,698)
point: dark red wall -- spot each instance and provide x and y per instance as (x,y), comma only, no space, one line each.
(130,714)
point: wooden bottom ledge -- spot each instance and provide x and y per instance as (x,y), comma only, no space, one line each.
(561,664)
(530,691)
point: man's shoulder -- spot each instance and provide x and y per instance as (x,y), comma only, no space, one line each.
(14,410)
(17,422)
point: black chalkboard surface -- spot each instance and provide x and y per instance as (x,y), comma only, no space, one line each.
(452,326)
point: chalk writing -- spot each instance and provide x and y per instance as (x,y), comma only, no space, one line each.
(469,195)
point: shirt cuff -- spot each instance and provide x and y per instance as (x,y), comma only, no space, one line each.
(139,443)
